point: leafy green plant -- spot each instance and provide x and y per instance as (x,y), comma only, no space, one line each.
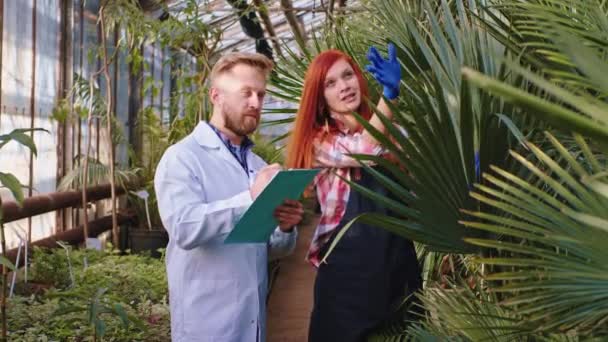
(549,250)
(552,269)
(182,31)
(99,306)
(11,182)
(50,268)
(446,120)
(546,282)
(491,77)
(157,139)
(460,313)
(136,282)
(136,277)
(268,151)
(546,215)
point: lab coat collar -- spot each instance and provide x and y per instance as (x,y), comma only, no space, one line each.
(205,136)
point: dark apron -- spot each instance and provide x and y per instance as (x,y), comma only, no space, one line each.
(366,276)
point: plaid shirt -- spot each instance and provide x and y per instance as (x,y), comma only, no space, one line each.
(239,152)
(331,153)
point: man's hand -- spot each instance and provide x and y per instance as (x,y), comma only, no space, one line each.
(289,214)
(262,179)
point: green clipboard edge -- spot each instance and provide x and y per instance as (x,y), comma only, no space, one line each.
(258,222)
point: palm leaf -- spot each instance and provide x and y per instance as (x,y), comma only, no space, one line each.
(97,173)
(446,120)
(468,312)
(11,182)
(532,28)
(566,42)
(20,137)
(462,312)
(553,262)
(553,113)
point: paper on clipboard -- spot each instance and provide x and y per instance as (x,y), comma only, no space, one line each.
(258,222)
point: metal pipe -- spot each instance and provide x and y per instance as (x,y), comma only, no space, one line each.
(32,114)
(65,80)
(77,139)
(41,204)
(73,236)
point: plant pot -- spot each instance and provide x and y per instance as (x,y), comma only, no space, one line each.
(142,240)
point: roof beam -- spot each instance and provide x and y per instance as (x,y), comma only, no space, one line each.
(268,25)
(294,24)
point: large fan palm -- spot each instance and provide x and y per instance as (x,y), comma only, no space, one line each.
(555,269)
(550,261)
(554,221)
(538,65)
(446,120)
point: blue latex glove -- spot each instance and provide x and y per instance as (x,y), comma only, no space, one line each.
(386,71)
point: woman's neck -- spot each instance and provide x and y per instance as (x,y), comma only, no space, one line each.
(348,120)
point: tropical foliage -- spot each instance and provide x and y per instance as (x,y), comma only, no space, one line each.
(502,126)
(12,183)
(83,294)
(520,84)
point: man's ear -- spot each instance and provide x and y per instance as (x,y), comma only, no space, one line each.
(214,95)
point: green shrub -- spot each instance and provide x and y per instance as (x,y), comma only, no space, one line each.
(117,297)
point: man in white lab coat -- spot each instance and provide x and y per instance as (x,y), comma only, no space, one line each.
(204,183)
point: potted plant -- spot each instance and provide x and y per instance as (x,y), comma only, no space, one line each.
(149,234)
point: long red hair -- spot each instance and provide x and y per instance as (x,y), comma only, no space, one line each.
(313,114)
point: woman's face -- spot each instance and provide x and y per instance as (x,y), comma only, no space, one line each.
(341,88)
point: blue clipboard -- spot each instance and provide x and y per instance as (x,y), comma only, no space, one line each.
(258,222)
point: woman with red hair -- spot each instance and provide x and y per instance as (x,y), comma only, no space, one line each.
(371,269)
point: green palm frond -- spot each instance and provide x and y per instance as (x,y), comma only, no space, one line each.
(563,48)
(287,80)
(537,29)
(587,116)
(549,264)
(469,312)
(553,265)
(540,218)
(266,149)
(84,97)
(446,121)
(98,173)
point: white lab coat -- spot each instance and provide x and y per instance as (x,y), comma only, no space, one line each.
(217,292)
